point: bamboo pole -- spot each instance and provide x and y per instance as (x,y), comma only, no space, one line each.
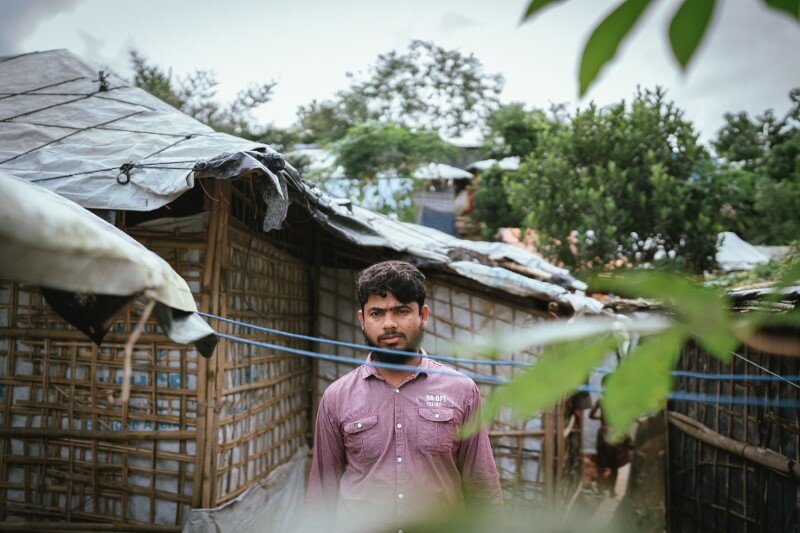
(768,458)
(85,526)
(124,435)
(202,464)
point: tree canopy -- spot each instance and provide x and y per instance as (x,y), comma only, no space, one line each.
(426,87)
(624,182)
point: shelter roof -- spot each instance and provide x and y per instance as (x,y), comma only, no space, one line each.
(734,253)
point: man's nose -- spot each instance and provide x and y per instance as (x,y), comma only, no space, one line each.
(389,322)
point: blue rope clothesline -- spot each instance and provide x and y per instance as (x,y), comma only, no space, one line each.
(486,362)
(483,378)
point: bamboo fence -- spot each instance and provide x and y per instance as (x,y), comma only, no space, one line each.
(734,467)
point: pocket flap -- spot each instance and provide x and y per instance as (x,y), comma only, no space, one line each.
(362,424)
(436,414)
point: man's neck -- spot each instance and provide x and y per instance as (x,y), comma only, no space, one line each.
(397,377)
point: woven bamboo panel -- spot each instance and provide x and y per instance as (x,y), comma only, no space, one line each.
(264,399)
(54,379)
(713,490)
(458,314)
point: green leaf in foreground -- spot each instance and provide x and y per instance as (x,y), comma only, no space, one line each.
(703,309)
(789,7)
(643,380)
(606,38)
(688,27)
(537,5)
(555,332)
(559,371)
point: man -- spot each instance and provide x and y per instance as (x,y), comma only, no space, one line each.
(385,444)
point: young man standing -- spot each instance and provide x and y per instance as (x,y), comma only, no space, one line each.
(385,444)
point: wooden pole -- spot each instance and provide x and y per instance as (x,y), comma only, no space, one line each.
(773,460)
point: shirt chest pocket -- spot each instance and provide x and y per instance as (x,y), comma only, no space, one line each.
(361,437)
(436,429)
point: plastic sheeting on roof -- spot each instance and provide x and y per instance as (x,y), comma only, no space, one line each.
(106,145)
(89,269)
(733,253)
(436,171)
(470,259)
(507,163)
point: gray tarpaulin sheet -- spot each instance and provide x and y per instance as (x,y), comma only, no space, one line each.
(84,263)
(471,259)
(274,505)
(107,145)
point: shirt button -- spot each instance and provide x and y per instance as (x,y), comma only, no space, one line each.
(359,424)
(399,426)
(400,495)
(434,416)
(399,459)
(397,391)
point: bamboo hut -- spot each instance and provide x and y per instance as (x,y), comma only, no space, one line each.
(257,245)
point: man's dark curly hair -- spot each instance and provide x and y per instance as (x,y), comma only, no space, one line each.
(402,279)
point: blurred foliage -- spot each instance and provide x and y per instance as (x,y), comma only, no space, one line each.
(569,351)
(760,165)
(686,31)
(628,183)
(426,87)
(372,148)
(379,160)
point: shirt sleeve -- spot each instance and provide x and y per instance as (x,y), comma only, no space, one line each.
(479,478)
(327,466)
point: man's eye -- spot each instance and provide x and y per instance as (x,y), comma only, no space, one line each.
(375,313)
(402,311)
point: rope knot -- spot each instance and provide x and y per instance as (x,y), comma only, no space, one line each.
(103,79)
(124,176)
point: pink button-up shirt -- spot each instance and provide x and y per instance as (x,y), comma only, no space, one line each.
(384,455)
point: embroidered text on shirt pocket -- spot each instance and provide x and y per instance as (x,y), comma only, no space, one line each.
(356,431)
(436,430)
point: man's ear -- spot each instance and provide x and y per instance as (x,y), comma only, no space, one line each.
(361,318)
(423,313)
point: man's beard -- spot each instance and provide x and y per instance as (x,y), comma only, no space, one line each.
(412,347)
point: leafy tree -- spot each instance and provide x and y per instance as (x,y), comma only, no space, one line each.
(514,130)
(628,181)
(195,94)
(379,159)
(374,147)
(491,203)
(761,165)
(424,88)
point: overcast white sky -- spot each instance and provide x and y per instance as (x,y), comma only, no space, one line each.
(750,60)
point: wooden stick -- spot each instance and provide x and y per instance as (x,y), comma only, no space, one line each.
(128,368)
(773,460)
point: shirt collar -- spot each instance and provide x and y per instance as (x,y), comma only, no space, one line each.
(369,370)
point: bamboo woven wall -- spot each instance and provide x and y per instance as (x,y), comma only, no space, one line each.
(53,382)
(713,490)
(263,400)
(533,456)
(206,429)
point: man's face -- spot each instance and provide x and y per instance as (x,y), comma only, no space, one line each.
(391,324)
